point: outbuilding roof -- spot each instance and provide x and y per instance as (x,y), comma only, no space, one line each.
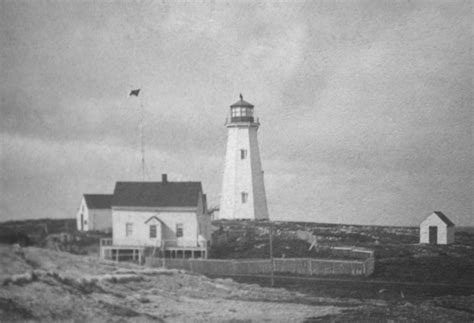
(444,218)
(156,194)
(98,201)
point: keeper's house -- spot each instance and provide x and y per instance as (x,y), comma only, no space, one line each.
(437,229)
(94,213)
(163,219)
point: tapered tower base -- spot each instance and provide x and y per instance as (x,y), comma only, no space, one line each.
(243,190)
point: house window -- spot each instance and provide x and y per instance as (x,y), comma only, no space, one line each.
(245,197)
(128,229)
(179,230)
(243,153)
(152,231)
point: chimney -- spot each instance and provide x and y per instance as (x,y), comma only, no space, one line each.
(164,178)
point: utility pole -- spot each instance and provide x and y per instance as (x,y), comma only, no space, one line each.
(270,227)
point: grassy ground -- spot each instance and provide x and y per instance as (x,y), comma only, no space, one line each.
(411,282)
(37,229)
(398,256)
(56,234)
(403,288)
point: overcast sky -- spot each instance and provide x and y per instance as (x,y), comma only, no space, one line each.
(365,106)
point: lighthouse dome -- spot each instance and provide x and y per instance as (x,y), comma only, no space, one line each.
(242,103)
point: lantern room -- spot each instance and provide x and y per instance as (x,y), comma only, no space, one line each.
(241,111)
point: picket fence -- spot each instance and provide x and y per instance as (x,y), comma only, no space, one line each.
(301,266)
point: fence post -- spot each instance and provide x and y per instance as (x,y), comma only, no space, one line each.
(310,266)
(271,253)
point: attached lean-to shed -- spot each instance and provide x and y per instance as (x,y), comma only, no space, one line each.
(437,229)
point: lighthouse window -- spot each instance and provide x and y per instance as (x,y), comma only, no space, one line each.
(245,197)
(243,153)
(241,112)
(246,112)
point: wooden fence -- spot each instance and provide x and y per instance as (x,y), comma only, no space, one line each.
(353,252)
(301,266)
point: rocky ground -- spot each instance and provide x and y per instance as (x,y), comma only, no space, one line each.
(51,285)
(47,285)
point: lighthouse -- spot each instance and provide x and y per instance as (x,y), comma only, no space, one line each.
(243,190)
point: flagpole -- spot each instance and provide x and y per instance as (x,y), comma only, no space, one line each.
(141,125)
(141,138)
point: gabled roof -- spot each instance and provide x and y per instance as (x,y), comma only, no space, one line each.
(444,218)
(157,194)
(98,201)
(153,218)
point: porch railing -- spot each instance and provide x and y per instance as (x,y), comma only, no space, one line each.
(170,243)
(106,242)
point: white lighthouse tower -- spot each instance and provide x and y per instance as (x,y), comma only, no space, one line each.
(243,191)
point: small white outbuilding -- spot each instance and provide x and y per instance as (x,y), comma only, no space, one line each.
(437,229)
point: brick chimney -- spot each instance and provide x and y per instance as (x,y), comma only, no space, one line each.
(164,178)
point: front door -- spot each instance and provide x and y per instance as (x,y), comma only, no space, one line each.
(82,221)
(433,235)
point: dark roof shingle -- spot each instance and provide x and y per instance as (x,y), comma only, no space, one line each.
(157,194)
(98,201)
(444,218)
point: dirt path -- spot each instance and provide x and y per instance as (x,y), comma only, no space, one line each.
(362,281)
(361,288)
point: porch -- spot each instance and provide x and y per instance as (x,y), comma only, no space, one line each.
(135,251)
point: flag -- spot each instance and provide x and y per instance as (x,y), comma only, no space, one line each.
(134,92)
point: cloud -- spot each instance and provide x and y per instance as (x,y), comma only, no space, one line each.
(45,177)
(365,106)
